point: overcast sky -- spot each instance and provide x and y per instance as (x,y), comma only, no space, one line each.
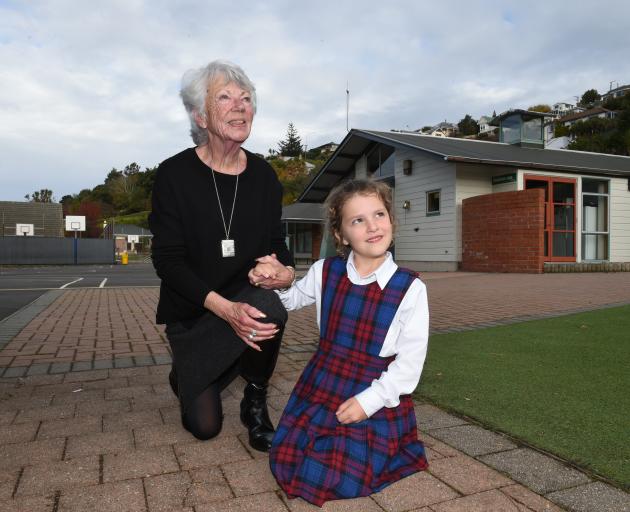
(87,86)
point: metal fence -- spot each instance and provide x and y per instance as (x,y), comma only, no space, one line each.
(32,250)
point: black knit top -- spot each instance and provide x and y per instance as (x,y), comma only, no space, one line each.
(187,230)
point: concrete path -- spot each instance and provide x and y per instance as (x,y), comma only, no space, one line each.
(88,422)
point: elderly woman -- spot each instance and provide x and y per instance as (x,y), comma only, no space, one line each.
(215,209)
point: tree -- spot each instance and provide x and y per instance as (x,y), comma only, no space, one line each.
(589,98)
(468,126)
(545,109)
(43,195)
(292,145)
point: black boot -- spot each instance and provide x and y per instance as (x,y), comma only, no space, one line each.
(255,417)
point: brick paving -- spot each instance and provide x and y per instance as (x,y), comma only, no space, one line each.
(88,422)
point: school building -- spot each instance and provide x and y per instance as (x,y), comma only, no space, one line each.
(509,206)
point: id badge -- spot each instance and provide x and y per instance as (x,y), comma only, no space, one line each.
(227,248)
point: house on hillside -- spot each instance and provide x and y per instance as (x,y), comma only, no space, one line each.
(484,124)
(585,115)
(562,109)
(617,92)
(443,129)
(511,206)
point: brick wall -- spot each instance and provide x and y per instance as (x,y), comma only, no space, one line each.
(504,232)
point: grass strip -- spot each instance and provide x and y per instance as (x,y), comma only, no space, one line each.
(561,384)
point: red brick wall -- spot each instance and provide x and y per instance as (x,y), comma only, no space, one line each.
(504,232)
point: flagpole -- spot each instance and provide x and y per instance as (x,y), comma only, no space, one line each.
(347,106)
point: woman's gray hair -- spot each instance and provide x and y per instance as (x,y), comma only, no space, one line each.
(195,86)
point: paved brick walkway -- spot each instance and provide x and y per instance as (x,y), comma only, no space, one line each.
(88,422)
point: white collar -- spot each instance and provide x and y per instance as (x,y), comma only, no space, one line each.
(381,275)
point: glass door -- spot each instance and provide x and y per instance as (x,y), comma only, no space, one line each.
(559,216)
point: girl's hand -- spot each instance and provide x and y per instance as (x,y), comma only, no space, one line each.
(350,412)
(269,273)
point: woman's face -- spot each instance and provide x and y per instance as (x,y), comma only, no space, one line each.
(229,112)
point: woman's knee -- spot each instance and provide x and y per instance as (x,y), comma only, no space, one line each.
(203,431)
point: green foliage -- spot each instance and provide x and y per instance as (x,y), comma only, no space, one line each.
(137,219)
(545,109)
(468,126)
(292,145)
(44,195)
(559,130)
(589,98)
(600,135)
(293,174)
(559,384)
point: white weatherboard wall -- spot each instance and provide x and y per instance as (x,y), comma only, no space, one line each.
(619,220)
(433,246)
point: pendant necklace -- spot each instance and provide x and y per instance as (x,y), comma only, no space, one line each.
(228,250)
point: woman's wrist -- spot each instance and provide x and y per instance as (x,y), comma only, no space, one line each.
(291,278)
(216,304)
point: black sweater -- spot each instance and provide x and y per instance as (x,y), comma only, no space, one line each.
(187,230)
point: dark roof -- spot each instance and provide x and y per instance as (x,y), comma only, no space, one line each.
(526,114)
(586,113)
(341,163)
(130,229)
(303,212)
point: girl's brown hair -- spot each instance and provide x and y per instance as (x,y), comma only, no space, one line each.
(340,195)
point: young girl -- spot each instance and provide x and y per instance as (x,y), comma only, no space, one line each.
(349,428)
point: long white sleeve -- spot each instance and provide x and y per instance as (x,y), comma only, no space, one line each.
(407,338)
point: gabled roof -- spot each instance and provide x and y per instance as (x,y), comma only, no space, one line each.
(341,163)
(130,229)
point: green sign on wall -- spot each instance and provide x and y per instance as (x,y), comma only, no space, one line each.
(504,178)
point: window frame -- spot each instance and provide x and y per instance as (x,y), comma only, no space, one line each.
(433,213)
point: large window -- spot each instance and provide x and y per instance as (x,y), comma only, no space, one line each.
(595,219)
(380,161)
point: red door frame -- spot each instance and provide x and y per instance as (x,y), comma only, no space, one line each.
(549,211)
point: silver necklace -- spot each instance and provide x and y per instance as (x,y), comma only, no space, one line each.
(228,250)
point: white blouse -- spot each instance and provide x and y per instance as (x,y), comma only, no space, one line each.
(406,338)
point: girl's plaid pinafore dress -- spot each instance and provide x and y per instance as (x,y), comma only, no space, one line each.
(315,457)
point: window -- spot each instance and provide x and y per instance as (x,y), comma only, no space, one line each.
(433,202)
(381,161)
(594,219)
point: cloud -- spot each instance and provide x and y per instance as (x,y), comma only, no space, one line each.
(85,87)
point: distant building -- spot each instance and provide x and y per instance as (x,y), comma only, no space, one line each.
(484,124)
(617,92)
(22,218)
(303,227)
(128,237)
(585,115)
(443,129)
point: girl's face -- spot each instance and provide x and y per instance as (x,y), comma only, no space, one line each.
(366,227)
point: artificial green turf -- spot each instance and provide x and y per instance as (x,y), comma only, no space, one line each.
(561,384)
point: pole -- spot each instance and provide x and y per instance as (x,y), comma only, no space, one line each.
(75,247)
(347,106)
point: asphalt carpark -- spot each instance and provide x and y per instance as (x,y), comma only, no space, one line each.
(21,285)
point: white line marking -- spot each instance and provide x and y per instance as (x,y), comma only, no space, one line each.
(71,282)
(102,283)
